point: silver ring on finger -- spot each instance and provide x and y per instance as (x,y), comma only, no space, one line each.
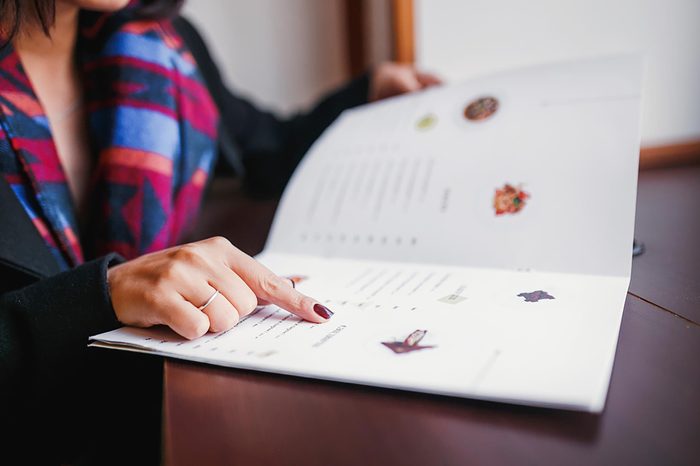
(210,300)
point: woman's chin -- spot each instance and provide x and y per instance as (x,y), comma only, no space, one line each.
(99,5)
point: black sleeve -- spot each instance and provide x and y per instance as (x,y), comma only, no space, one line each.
(268,148)
(44,330)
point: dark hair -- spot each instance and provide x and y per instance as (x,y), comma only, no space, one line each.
(14,14)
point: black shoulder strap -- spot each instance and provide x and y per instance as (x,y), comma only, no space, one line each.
(21,245)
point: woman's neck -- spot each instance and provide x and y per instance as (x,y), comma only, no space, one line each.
(50,64)
(58,47)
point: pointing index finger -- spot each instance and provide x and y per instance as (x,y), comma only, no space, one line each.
(274,289)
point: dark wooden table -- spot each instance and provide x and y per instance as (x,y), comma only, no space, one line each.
(224,416)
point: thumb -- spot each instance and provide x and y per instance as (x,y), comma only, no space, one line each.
(407,82)
(428,79)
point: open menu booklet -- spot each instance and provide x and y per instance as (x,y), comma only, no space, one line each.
(473,240)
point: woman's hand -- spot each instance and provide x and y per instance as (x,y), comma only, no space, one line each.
(390,79)
(168,287)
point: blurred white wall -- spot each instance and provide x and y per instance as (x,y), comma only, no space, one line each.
(461,38)
(282,53)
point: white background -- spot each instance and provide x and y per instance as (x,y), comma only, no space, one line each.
(462,38)
(286,53)
(282,53)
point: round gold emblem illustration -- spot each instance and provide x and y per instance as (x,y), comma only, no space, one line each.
(481,109)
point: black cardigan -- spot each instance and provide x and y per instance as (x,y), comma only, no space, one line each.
(48,383)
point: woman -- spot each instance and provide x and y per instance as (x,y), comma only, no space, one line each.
(111,116)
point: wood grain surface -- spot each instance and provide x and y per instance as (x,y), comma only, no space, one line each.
(668,223)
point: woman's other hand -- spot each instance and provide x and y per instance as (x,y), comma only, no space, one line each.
(390,79)
(168,287)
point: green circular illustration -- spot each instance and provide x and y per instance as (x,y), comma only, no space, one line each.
(426,122)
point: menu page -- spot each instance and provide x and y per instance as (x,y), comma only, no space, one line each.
(528,169)
(527,337)
(473,240)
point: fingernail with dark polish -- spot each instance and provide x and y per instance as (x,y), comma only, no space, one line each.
(323,311)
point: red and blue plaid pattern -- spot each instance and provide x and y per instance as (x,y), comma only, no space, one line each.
(152,126)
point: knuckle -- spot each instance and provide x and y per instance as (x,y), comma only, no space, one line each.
(271,285)
(170,272)
(224,321)
(304,302)
(189,331)
(232,320)
(195,328)
(248,302)
(188,254)
(219,242)
(217,325)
